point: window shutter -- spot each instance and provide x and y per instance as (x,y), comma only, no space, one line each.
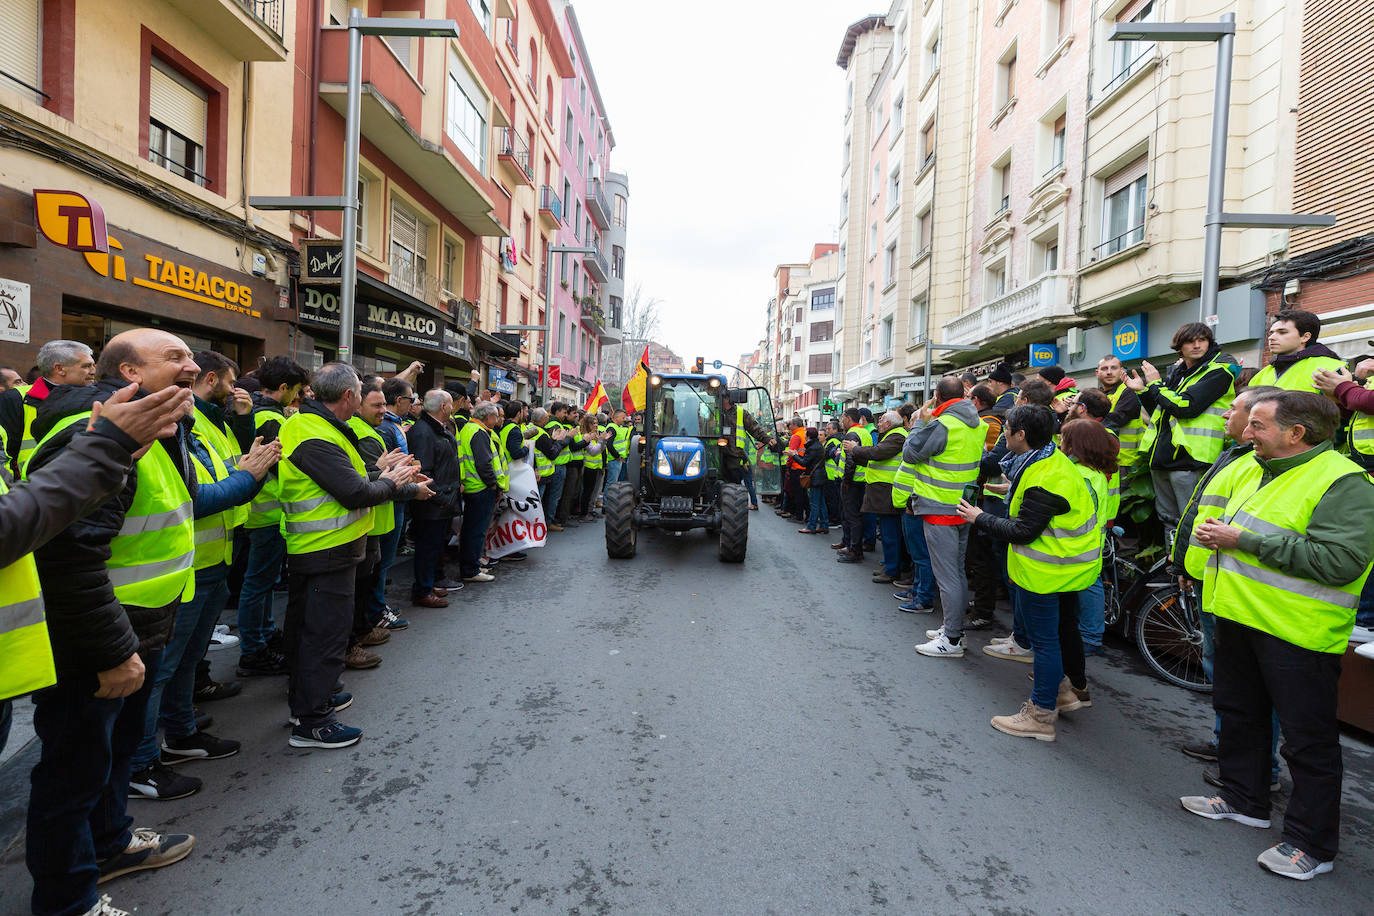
(403,226)
(19,40)
(401,44)
(1124,177)
(176,104)
(338,11)
(1133,9)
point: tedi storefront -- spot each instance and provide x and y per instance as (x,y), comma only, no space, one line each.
(69,269)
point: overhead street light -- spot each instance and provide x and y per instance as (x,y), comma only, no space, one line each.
(547,327)
(1223,33)
(358,26)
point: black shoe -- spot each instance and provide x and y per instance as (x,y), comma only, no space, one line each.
(870,546)
(162,783)
(447,583)
(217,690)
(1207,753)
(1213,778)
(200,746)
(978,620)
(261,664)
(848,558)
(517,556)
(275,640)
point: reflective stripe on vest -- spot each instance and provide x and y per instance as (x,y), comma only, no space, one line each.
(218,442)
(622,440)
(834,467)
(384,515)
(1297,377)
(1309,614)
(1211,503)
(1202,436)
(312,519)
(1130,434)
(564,456)
(265,509)
(467,461)
(885,470)
(25,654)
(942,478)
(27,443)
(542,465)
(213,534)
(1067,556)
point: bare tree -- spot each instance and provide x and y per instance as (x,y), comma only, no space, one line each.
(639,323)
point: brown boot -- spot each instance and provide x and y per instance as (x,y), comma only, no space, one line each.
(378,636)
(1071,698)
(358,657)
(1030,722)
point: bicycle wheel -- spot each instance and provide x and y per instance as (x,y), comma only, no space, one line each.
(1169,636)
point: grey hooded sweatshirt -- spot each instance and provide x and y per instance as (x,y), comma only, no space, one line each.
(928,440)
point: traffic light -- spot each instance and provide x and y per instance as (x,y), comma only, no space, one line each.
(699,367)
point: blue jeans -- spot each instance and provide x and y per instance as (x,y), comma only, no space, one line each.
(171,701)
(1041,615)
(555,492)
(891,526)
(614,468)
(819,519)
(870,527)
(1092,614)
(266,549)
(80,786)
(914,533)
(1209,656)
(477,509)
(390,543)
(749,485)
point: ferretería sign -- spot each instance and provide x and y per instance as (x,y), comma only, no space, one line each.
(374,319)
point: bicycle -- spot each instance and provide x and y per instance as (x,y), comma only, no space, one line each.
(1165,620)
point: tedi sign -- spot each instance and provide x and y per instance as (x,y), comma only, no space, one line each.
(374,319)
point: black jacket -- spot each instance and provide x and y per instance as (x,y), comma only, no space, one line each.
(90,629)
(1037,510)
(1164,455)
(437,451)
(813,461)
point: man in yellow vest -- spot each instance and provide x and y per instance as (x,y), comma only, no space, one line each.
(1290,552)
(327,501)
(1294,354)
(1124,418)
(112,583)
(1186,407)
(851,544)
(883,458)
(60,362)
(939,462)
(479,464)
(281,380)
(618,449)
(1054,552)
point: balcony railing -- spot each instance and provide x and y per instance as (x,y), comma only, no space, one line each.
(268,12)
(550,204)
(1034,305)
(409,278)
(597,267)
(865,373)
(597,206)
(514,149)
(593,317)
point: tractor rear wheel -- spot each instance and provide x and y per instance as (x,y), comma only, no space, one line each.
(620,529)
(734,523)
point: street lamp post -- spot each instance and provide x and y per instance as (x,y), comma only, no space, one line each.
(547,326)
(1223,32)
(358,26)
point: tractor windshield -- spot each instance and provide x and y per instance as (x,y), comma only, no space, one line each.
(687,407)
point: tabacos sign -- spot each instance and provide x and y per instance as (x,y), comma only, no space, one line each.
(321,307)
(71,221)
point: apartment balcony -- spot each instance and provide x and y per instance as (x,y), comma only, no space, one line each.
(514,155)
(410,279)
(872,372)
(597,206)
(248,29)
(392,112)
(593,319)
(597,268)
(550,208)
(1037,311)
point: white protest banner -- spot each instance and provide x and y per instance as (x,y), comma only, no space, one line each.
(518,522)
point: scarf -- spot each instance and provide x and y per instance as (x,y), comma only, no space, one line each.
(1013,466)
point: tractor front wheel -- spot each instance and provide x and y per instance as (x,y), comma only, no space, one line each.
(734,523)
(620,529)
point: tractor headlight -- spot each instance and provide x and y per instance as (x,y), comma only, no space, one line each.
(694,466)
(662,466)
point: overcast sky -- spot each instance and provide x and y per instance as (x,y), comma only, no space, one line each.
(727,118)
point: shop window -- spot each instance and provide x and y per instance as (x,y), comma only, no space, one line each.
(177,111)
(409,251)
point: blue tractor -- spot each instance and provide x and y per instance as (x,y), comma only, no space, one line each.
(677,466)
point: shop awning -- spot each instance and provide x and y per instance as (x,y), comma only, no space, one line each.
(490,344)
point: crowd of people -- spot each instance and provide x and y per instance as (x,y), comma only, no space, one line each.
(1261,486)
(149,490)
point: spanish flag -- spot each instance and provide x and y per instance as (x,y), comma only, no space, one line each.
(635,395)
(598,398)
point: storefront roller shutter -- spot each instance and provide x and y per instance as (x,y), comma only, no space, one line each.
(176,104)
(19,42)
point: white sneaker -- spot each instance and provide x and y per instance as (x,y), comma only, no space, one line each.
(103,907)
(221,628)
(1367,650)
(220,641)
(939,647)
(480,577)
(935,634)
(1010,651)
(1362,635)
(1001,640)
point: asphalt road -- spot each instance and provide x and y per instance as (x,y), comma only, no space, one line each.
(670,734)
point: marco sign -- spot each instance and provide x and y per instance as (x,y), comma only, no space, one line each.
(374,319)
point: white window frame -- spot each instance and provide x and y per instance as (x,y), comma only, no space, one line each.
(465,119)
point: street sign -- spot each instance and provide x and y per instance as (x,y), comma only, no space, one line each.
(717,364)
